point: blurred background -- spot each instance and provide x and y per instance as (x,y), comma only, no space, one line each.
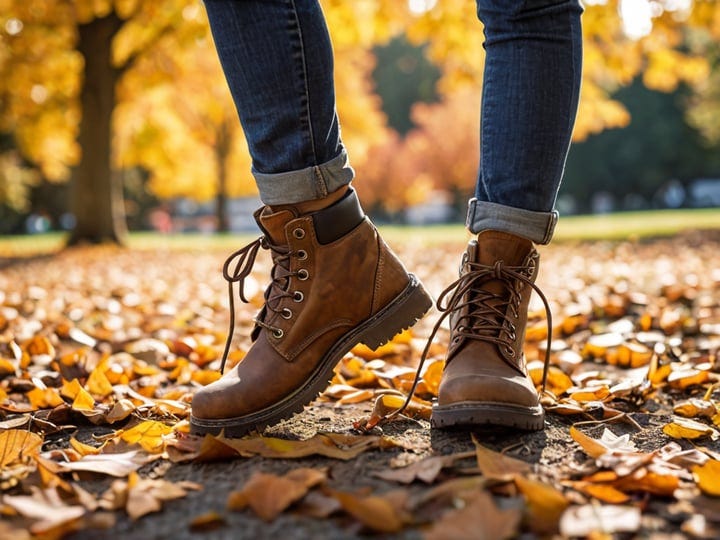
(115,116)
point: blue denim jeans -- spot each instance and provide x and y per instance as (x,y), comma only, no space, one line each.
(278,61)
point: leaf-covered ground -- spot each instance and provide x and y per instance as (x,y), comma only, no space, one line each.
(101,350)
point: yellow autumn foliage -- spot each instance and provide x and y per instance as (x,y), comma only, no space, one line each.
(173,115)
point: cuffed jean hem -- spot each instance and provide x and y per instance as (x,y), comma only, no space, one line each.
(306,184)
(535,226)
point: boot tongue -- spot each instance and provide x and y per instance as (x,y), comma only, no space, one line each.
(273,224)
(493,246)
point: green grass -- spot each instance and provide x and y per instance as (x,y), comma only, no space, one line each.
(619,226)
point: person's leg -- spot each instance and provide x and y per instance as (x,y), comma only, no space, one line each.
(278,62)
(530,94)
(334,282)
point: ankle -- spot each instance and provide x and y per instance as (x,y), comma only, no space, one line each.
(313,205)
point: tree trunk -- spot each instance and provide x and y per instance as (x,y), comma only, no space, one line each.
(222,150)
(97,195)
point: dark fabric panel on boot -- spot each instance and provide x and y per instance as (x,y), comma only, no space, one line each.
(339,219)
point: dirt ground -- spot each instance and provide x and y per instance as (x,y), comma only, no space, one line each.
(573,275)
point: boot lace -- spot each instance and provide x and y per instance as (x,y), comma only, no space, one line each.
(486,318)
(238,266)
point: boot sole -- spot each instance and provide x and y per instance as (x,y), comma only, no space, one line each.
(484,413)
(401,313)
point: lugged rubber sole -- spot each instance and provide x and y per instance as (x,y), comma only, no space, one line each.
(401,313)
(485,413)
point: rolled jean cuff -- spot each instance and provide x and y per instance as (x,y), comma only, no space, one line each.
(306,184)
(536,226)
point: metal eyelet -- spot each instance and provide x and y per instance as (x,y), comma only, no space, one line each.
(286,313)
(298,296)
(303,274)
(277,333)
(299,233)
(302,255)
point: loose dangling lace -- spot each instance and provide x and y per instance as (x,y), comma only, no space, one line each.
(485,319)
(244,259)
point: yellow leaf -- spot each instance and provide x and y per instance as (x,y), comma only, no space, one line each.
(695,407)
(683,428)
(70,389)
(7,367)
(545,504)
(591,394)
(82,448)
(684,378)
(83,401)
(98,383)
(16,445)
(603,492)
(148,434)
(707,477)
(206,376)
(593,447)
(39,345)
(44,398)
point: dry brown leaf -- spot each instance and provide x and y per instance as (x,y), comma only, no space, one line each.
(497,466)
(478,519)
(45,508)
(209,521)
(332,445)
(270,495)
(146,495)
(425,470)
(376,512)
(545,504)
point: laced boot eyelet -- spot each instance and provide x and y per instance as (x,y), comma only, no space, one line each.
(298,296)
(286,313)
(277,333)
(303,274)
(302,254)
(299,233)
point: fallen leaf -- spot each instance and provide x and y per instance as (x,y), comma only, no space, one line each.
(269,495)
(148,434)
(45,508)
(590,518)
(684,428)
(425,470)
(17,446)
(497,466)
(332,445)
(477,519)
(119,465)
(374,511)
(209,521)
(707,477)
(545,504)
(592,447)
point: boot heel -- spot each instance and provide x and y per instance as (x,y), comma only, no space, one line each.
(404,311)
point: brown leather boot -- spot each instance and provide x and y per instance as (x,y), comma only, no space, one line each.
(334,284)
(485,379)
